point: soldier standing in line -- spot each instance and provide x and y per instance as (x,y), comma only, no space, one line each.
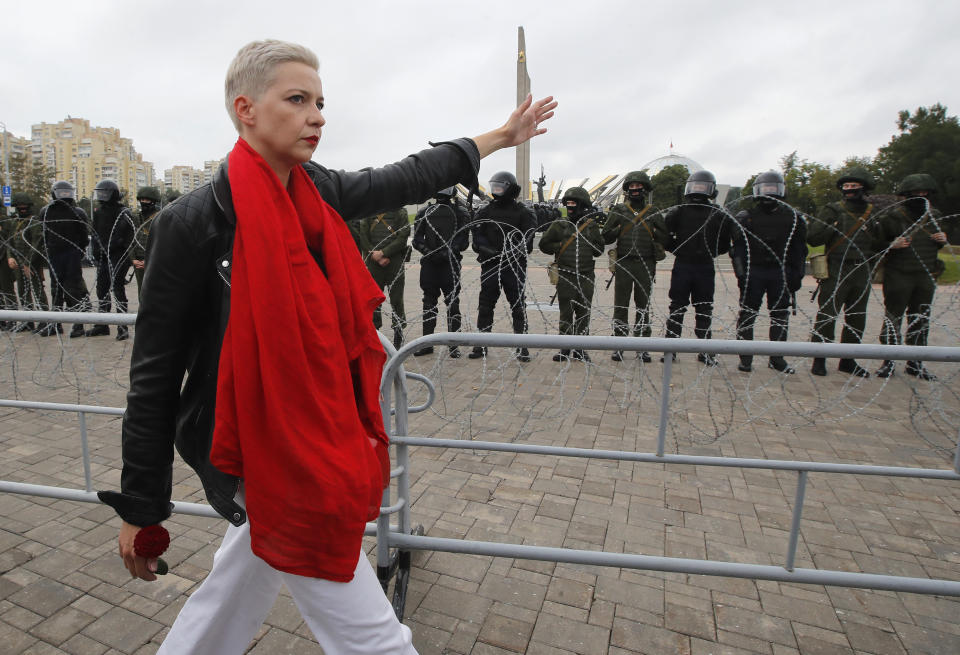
(113,236)
(384,238)
(911,266)
(24,257)
(851,237)
(699,232)
(769,253)
(640,236)
(8,295)
(503,232)
(149,199)
(440,234)
(575,242)
(66,234)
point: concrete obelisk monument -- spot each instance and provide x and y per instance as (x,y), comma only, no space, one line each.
(523,89)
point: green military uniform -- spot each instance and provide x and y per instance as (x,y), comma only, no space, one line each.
(909,280)
(142,222)
(908,277)
(636,231)
(575,243)
(25,247)
(387,232)
(850,262)
(8,296)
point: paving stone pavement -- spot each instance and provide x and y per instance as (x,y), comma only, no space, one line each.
(63,590)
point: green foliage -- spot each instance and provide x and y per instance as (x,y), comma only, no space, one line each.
(810,185)
(928,142)
(668,185)
(951,272)
(30,177)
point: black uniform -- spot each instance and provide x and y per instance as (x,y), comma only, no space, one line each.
(698,234)
(113,227)
(502,238)
(769,250)
(65,237)
(440,234)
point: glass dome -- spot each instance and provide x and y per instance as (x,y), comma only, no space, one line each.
(658,164)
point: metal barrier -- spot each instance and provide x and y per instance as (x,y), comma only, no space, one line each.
(395,542)
(406,539)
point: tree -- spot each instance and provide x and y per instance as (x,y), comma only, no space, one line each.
(171,195)
(31,177)
(928,142)
(809,185)
(668,185)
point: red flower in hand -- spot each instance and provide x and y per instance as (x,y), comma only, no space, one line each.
(150,542)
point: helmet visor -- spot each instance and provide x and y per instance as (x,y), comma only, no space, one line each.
(700,188)
(103,195)
(62,193)
(498,188)
(769,189)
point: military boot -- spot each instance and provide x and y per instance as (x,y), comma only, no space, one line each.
(886,369)
(644,357)
(707,358)
(24,327)
(580,355)
(819,366)
(779,364)
(454,352)
(918,370)
(420,352)
(850,366)
(49,330)
(97,331)
(617,356)
(123,333)
(746,363)
(397,338)
(523,355)
(77,331)
(477,352)
(562,356)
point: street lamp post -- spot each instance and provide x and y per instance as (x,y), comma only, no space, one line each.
(6,153)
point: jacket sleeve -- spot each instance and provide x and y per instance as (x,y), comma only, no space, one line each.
(595,239)
(529,227)
(823,227)
(411,180)
(462,238)
(613,225)
(397,244)
(550,241)
(170,298)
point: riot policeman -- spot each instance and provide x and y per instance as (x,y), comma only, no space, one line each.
(914,232)
(66,234)
(575,242)
(503,234)
(149,199)
(25,257)
(113,234)
(699,232)
(769,253)
(440,235)
(851,237)
(640,236)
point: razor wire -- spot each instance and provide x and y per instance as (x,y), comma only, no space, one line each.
(497,397)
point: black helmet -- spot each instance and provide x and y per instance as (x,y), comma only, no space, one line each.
(63,190)
(857,174)
(503,185)
(912,184)
(771,184)
(446,194)
(635,177)
(107,191)
(701,183)
(20,199)
(148,193)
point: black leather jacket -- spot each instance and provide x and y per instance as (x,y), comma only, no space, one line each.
(185,304)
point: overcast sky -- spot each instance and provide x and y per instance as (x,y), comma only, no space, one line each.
(734,84)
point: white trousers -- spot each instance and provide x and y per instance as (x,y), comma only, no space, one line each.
(223,616)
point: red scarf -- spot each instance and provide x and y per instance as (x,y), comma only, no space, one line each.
(298,414)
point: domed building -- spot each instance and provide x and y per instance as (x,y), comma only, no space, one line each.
(655,166)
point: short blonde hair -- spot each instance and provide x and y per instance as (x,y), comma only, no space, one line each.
(251,71)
